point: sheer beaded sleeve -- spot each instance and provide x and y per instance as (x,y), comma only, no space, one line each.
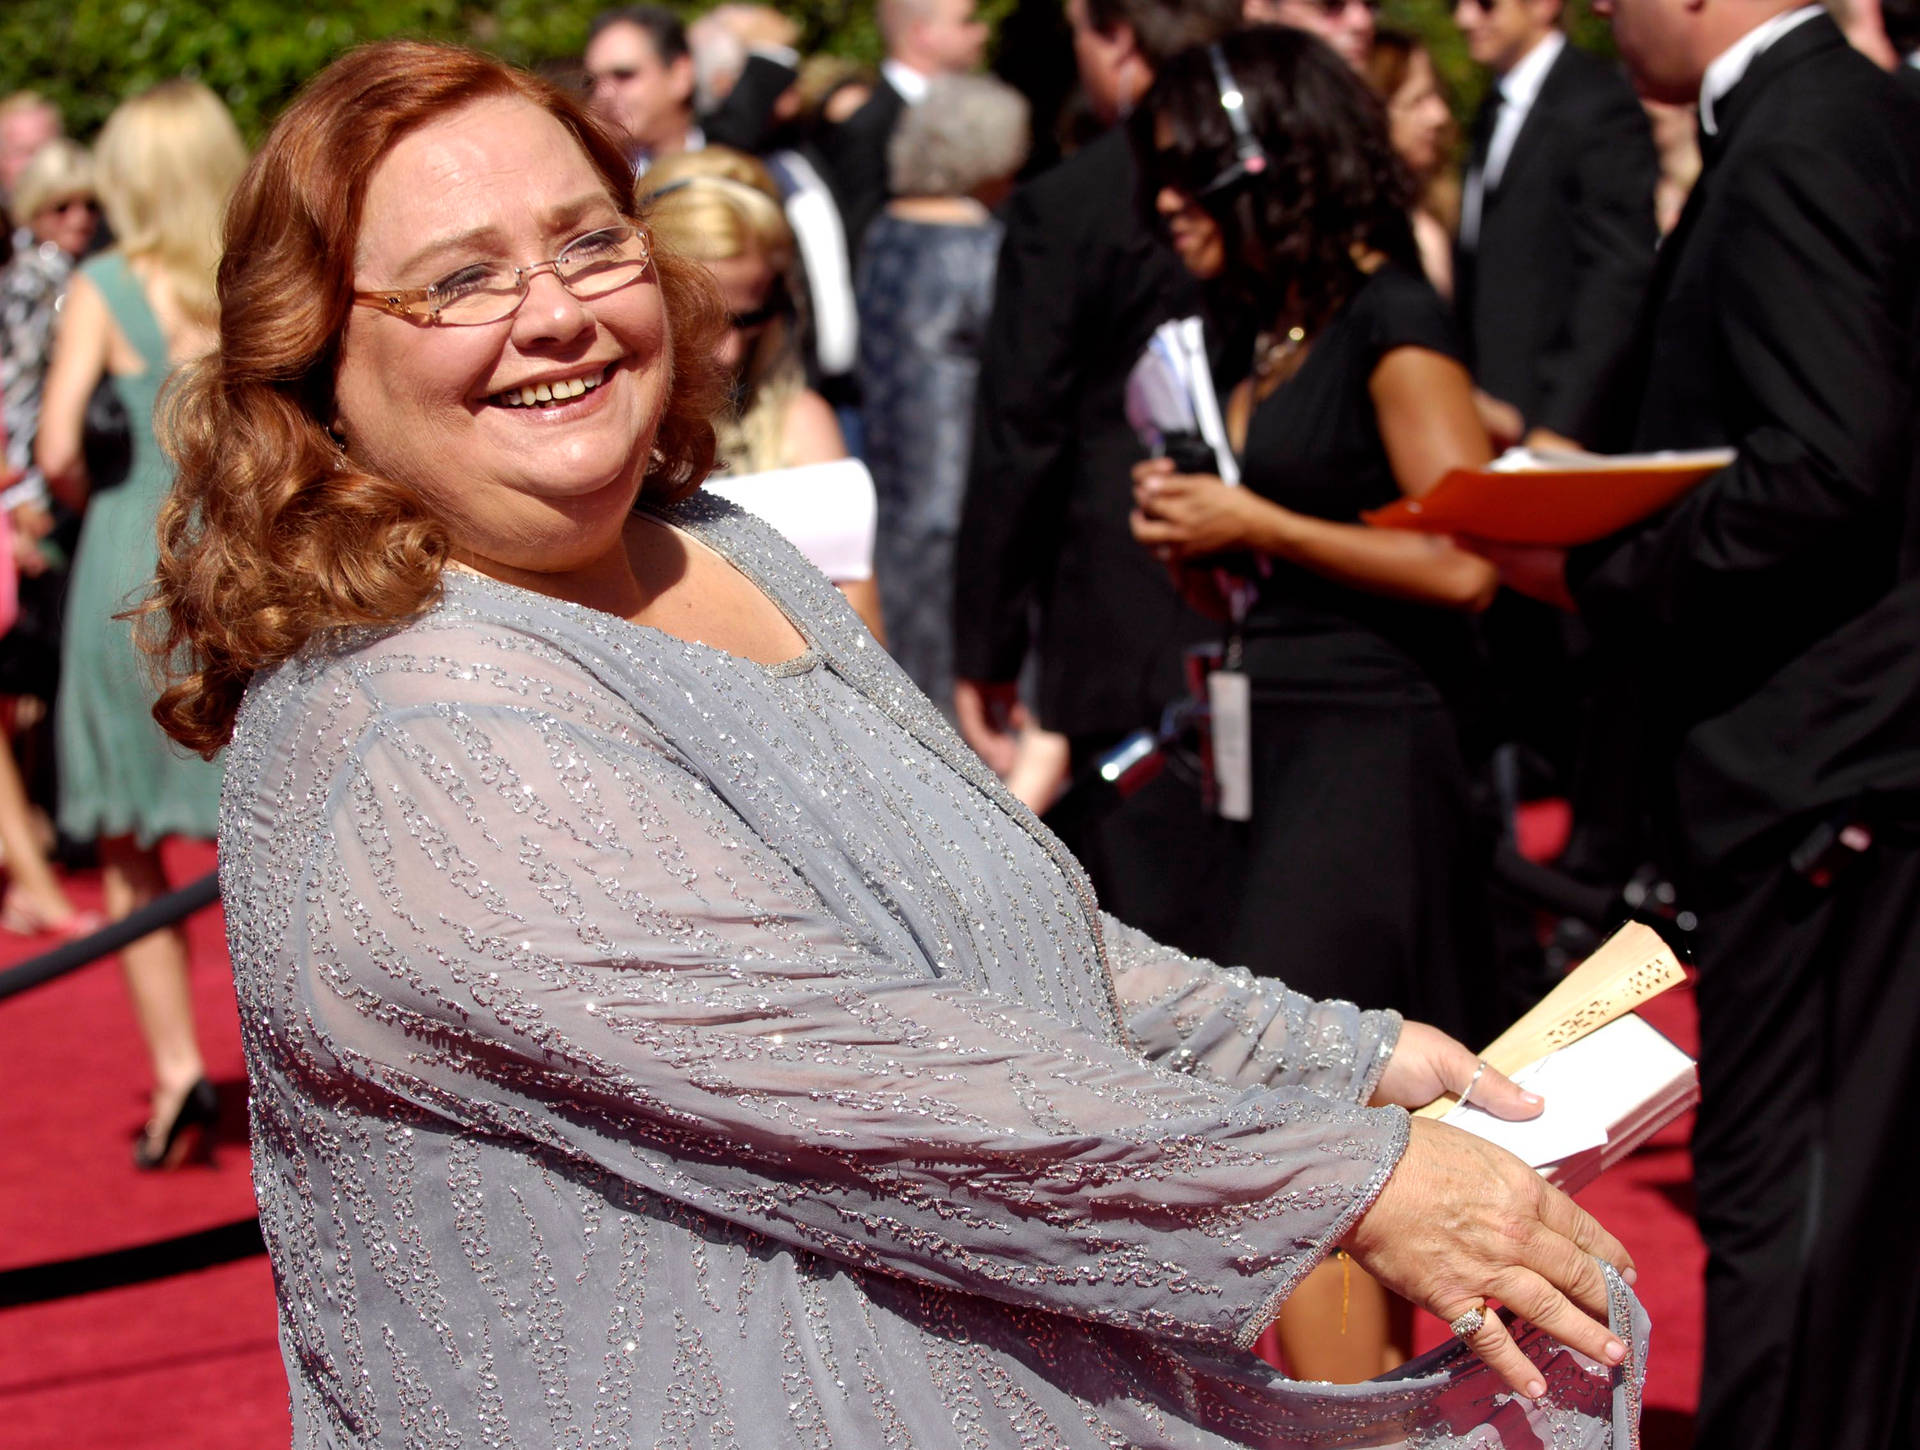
(545,929)
(1229,1025)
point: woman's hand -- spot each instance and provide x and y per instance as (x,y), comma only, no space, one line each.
(1462,1223)
(1501,419)
(1538,571)
(30,523)
(1426,1063)
(991,717)
(1184,516)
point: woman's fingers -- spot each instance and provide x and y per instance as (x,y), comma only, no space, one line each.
(1571,1271)
(1146,528)
(1535,1300)
(1460,1217)
(1494,1344)
(1572,1222)
(1499,1094)
(1493,1090)
(1538,1302)
(1170,539)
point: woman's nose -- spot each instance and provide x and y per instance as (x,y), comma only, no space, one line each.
(550,311)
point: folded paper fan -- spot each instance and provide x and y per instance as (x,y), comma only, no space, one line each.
(1629,968)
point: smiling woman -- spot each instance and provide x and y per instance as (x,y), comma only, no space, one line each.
(661,1028)
(429,394)
(377,445)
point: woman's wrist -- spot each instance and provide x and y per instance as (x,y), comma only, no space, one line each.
(1272,529)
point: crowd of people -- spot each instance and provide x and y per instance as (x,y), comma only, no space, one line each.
(374,451)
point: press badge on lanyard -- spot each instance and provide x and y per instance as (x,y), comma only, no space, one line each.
(1230,721)
(1173,408)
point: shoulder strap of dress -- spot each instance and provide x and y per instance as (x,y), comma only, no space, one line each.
(127,301)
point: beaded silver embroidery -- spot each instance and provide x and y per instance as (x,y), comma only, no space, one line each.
(651,1048)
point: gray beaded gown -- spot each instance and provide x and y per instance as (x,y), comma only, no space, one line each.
(653,1048)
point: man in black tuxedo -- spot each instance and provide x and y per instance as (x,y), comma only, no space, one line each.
(924,39)
(1556,245)
(640,72)
(1557,230)
(1045,557)
(1775,617)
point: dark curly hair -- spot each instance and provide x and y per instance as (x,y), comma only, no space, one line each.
(271,534)
(1331,191)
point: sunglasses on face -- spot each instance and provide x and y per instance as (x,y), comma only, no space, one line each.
(1249,156)
(772,310)
(73,203)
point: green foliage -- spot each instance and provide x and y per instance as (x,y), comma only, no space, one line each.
(87,55)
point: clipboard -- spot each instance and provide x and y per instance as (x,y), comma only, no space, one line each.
(1552,499)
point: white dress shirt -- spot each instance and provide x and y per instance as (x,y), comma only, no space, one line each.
(1731,64)
(906,80)
(1519,89)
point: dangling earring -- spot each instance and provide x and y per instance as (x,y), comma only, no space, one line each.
(340,444)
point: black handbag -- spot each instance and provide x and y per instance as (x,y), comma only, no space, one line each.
(106,437)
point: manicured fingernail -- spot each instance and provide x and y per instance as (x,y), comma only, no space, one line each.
(1632,1276)
(1616,1351)
(1531,1099)
(1535,1389)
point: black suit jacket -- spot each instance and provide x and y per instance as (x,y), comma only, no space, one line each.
(1547,297)
(1082,283)
(1776,609)
(744,120)
(856,154)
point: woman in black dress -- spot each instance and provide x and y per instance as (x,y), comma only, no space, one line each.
(1269,167)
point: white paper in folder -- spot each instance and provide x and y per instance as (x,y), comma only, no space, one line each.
(1612,1082)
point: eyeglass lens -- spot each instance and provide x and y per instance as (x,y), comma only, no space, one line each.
(588,267)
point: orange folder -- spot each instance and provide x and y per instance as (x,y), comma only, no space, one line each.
(1555,499)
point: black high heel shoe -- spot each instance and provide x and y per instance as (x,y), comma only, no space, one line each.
(191,1127)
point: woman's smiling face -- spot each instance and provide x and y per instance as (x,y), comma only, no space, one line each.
(545,487)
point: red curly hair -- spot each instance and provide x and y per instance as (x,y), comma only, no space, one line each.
(271,535)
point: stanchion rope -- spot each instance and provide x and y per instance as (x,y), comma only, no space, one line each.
(162,911)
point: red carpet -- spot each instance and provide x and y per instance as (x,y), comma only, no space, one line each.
(191,1360)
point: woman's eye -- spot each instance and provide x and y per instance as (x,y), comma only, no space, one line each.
(458,284)
(593,244)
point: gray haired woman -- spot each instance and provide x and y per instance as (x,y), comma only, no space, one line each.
(925,287)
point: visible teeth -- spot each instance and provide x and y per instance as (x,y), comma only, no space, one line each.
(559,392)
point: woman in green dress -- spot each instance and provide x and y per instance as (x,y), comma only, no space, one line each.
(165,163)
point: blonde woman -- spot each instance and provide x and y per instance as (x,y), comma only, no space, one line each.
(164,165)
(722,208)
